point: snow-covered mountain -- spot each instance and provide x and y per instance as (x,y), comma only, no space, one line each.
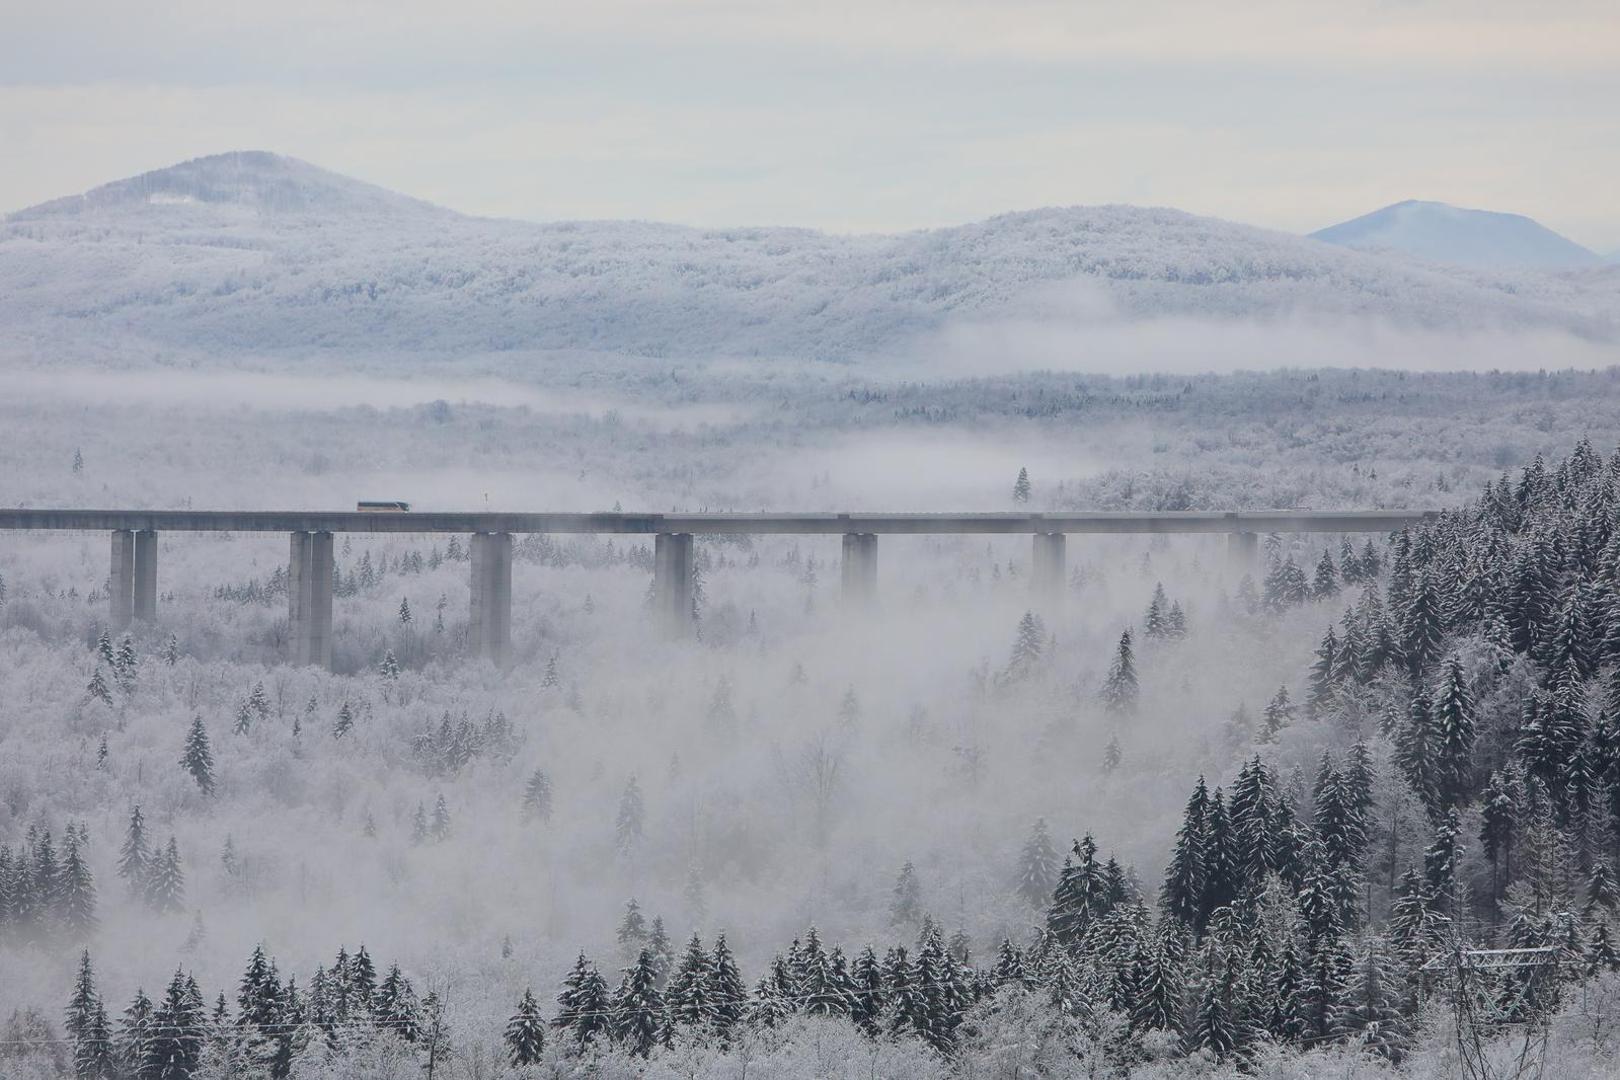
(1450,234)
(252,252)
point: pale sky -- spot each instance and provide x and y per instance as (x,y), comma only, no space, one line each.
(845,115)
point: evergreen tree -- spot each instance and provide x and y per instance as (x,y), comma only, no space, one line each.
(1182,894)
(97,687)
(1027,645)
(585,1006)
(689,998)
(1601,954)
(1037,866)
(663,952)
(174,1051)
(76,890)
(526,1032)
(440,827)
(908,1005)
(87,1028)
(1021,487)
(1324,674)
(126,666)
(1498,827)
(1112,754)
(632,816)
(638,1007)
(166,885)
(395,1008)
(537,797)
(1325,585)
(197,758)
(1454,724)
(1278,715)
(905,908)
(1154,623)
(1370,1014)
(1417,750)
(1120,691)
(344,722)
(1081,895)
(725,989)
(868,993)
(1440,862)
(1218,1028)
(1602,897)
(1176,622)
(135,1039)
(1423,626)
(135,856)
(632,933)
(1156,1005)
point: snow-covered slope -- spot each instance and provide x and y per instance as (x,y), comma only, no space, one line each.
(1450,234)
(254,252)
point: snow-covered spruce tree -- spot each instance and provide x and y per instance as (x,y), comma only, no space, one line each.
(197,759)
(537,797)
(135,856)
(76,889)
(689,999)
(1037,866)
(1120,690)
(638,1008)
(166,883)
(726,989)
(905,905)
(631,819)
(526,1032)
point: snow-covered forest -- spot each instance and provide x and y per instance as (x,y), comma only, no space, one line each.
(1182,820)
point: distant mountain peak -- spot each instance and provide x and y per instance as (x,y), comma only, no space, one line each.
(1444,233)
(253,179)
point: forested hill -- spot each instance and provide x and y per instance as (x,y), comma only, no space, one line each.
(257,253)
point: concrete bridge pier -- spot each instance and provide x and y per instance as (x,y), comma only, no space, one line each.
(309,599)
(145,598)
(490,626)
(859,570)
(121,580)
(1048,578)
(672,583)
(1242,551)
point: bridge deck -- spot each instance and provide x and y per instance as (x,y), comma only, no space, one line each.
(1256,521)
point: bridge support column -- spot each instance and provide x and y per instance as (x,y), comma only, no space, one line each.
(320,600)
(1242,551)
(859,570)
(672,583)
(1048,577)
(309,599)
(490,627)
(145,599)
(298,584)
(121,580)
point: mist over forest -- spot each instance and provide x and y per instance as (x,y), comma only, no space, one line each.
(961,832)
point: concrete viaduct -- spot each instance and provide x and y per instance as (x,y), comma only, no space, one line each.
(133,574)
